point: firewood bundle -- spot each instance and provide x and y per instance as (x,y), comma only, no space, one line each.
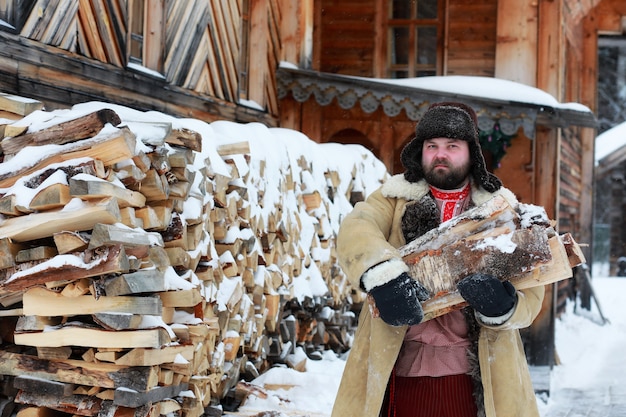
(512,242)
(147,262)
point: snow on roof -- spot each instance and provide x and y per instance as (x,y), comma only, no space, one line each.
(476,86)
(610,141)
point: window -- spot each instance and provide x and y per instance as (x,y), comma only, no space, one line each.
(145,34)
(415,33)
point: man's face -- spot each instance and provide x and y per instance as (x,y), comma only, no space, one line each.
(446,162)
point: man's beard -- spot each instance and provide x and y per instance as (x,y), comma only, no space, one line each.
(450,179)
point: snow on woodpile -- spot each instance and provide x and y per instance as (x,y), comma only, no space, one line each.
(158,260)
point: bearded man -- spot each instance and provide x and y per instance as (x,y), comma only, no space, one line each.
(468,362)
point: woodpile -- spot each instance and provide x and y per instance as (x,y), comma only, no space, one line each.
(148,264)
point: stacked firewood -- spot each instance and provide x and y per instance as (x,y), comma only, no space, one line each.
(148,264)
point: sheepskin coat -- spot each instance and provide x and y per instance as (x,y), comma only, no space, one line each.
(370,235)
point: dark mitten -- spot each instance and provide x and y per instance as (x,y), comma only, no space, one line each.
(398,301)
(487,294)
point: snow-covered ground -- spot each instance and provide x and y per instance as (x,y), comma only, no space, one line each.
(590,353)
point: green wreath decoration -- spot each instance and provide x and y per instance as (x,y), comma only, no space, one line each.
(495,142)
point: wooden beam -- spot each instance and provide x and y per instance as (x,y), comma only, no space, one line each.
(257,66)
(517,41)
(75,80)
(550,48)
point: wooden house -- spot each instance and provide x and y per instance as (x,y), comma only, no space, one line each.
(221,59)
(610,174)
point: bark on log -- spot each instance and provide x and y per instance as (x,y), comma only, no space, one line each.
(106,375)
(109,148)
(66,132)
(516,244)
(110,260)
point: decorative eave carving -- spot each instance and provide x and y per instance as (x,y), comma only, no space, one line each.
(393,98)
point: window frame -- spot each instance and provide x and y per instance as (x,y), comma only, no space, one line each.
(412,67)
(150,37)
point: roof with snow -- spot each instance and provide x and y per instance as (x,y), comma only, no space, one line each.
(610,149)
(512,104)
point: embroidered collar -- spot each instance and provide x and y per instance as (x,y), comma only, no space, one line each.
(450,202)
(459,194)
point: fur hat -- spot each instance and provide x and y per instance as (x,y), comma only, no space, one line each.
(448,120)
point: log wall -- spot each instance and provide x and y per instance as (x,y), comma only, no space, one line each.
(211,54)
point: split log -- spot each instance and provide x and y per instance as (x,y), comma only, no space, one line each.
(109,260)
(42,302)
(181,298)
(142,281)
(110,148)
(118,321)
(53,197)
(37,253)
(149,357)
(28,411)
(43,386)
(556,270)
(73,335)
(66,241)
(186,138)
(61,352)
(36,323)
(19,105)
(8,252)
(108,235)
(504,253)
(106,375)
(40,225)
(126,398)
(9,207)
(66,132)
(154,132)
(516,244)
(93,189)
(78,405)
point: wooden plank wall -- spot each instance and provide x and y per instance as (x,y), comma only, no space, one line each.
(347,30)
(471,40)
(570,201)
(347,37)
(57,28)
(571,182)
(203,47)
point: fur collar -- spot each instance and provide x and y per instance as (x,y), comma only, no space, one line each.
(398,187)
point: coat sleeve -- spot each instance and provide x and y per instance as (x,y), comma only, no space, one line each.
(362,240)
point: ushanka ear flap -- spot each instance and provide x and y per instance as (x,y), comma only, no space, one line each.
(411,158)
(484,178)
